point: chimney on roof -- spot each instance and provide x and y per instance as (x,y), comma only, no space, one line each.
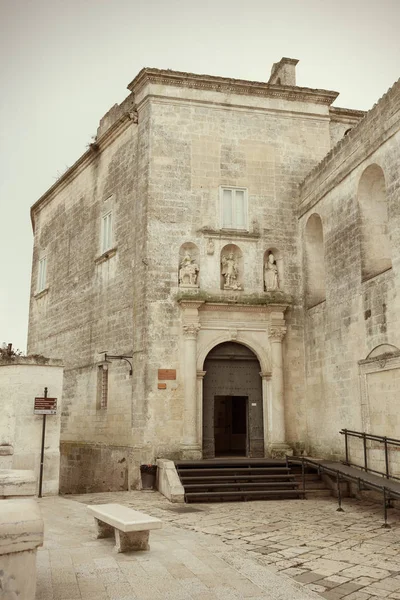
(284,72)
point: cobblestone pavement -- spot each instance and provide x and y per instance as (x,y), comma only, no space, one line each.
(228,550)
(338,555)
(181,564)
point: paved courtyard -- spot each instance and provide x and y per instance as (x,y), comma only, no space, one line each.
(288,550)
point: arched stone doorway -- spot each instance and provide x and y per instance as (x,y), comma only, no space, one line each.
(232,403)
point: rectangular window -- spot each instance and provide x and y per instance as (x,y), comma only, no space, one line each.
(106,232)
(102,387)
(42,274)
(234,208)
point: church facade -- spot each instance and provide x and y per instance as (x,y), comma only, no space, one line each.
(218,274)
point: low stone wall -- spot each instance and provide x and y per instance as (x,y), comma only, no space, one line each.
(17,483)
(21,380)
(21,532)
(168,482)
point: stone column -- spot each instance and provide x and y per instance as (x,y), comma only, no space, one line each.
(266,393)
(276,409)
(191,447)
(200,379)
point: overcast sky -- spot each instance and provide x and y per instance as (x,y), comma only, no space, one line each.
(64,63)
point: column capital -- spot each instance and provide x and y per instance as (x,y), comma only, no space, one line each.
(276,333)
(265,376)
(200,374)
(190,330)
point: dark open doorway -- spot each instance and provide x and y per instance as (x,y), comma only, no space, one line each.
(230,425)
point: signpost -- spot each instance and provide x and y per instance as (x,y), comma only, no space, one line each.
(44,406)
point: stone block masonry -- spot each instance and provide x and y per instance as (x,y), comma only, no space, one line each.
(198,172)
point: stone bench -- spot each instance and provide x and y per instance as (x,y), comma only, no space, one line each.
(21,532)
(131,528)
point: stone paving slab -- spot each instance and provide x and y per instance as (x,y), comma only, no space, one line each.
(336,555)
(181,564)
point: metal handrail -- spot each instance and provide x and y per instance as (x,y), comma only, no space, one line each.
(386,441)
(388,494)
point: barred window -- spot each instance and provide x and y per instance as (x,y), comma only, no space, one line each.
(102,387)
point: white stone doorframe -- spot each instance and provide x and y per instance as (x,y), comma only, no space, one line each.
(199,337)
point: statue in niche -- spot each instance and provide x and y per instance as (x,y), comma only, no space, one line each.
(230,272)
(271,274)
(188,271)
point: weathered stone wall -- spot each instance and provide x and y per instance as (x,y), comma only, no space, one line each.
(195,148)
(358,315)
(158,163)
(21,380)
(87,308)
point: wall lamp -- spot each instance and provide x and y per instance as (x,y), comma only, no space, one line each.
(128,359)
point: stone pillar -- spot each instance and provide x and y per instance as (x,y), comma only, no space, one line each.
(200,433)
(191,446)
(276,410)
(266,393)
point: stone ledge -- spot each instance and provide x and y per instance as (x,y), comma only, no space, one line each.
(30,360)
(106,255)
(41,294)
(236,298)
(237,234)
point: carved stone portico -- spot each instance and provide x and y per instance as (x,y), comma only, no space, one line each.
(259,327)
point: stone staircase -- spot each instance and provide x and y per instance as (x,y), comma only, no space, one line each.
(219,480)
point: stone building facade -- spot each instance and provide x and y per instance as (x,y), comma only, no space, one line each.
(212,236)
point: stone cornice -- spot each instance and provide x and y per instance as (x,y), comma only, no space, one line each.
(86,159)
(255,308)
(339,115)
(227,85)
(235,234)
(268,301)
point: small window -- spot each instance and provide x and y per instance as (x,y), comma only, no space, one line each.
(42,274)
(234,208)
(106,232)
(102,387)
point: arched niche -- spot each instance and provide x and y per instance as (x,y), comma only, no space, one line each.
(189,266)
(314,261)
(383,350)
(375,243)
(273,270)
(231,262)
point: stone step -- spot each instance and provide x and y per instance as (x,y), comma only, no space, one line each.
(265,485)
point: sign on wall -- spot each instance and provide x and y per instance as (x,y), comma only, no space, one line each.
(166,374)
(45,406)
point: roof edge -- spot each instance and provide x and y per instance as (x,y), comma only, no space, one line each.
(226,84)
(84,160)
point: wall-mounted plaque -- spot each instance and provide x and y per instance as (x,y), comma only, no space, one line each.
(166,374)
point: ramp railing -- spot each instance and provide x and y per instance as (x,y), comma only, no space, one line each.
(386,442)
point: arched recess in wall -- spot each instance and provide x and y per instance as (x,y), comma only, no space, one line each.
(273,270)
(189,266)
(232,268)
(375,243)
(315,261)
